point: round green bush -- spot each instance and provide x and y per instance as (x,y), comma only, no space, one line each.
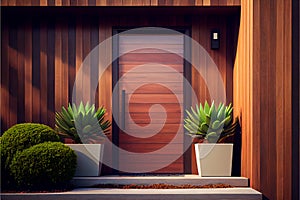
(20,137)
(44,166)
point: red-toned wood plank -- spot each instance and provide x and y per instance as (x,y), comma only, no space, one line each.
(36,79)
(86,34)
(165,128)
(51,2)
(35,2)
(198,2)
(21,79)
(151,68)
(71,58)
(153,158)
(167,58)
(214,2)
(4,77)
(174,167)
(12,2)
(114,3)
(58,67)
(51,73)
(43,73)
(237,2)
(145,108)
(65,67)
(73,2)
(91,2)
(43,3)
(158,138)
(58,2)
(24,2)
(66,3)
(79,54)
(153,88)
(223,2)
(82,2)
(4,3)
(206,2)
(152,77)
(144,118)
(13,74)
(100,2)
(146,148)
(230,2)
(154,98)
(28,72)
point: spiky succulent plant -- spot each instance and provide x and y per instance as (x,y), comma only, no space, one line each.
(83,124)
(210,122)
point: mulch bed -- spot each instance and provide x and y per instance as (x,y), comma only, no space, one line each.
(163,186)
(131,186)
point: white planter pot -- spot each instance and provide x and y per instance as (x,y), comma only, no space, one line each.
(214,159)
(89,158)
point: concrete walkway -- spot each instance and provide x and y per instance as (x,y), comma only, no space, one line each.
(241,190)
(142,194)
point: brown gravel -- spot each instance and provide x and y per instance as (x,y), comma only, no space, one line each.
(163,186)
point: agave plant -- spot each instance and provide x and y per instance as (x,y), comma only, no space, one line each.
(212,123)
(83,124)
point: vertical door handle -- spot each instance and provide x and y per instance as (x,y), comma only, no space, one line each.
(123,110)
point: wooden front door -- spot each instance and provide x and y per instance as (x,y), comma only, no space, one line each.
(150,76)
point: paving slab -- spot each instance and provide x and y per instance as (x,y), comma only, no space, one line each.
(172,180)
(141,194)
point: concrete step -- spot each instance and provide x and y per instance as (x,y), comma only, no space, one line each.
(142,194)
(172,180)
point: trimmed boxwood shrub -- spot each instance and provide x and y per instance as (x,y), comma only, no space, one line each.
(44,166)
(20,137)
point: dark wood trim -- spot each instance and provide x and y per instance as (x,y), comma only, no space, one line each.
(187,84)
(295,99)
(51,73)
(36,70)
(115,102)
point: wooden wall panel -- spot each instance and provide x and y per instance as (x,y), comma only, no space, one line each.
(54,50)
(120,2)
(262,95)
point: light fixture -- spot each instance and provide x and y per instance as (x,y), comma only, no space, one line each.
(215,39)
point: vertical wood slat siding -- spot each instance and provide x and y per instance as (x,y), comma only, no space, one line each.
(120,3)
(66,51)
(5,122)
(262,95)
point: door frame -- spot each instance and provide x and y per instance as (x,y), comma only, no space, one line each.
(186,91)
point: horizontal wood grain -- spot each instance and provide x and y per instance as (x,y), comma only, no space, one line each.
(160,137)
(151,48)
(155,98)
(151,68)
(141,58)
(153,88)
(154,39)
(156,118)
(143,108)
(152,78)
(166,128)
(174,167)
(149,158)
(146,148)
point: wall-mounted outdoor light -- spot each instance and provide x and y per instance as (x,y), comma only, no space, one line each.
(215,39)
